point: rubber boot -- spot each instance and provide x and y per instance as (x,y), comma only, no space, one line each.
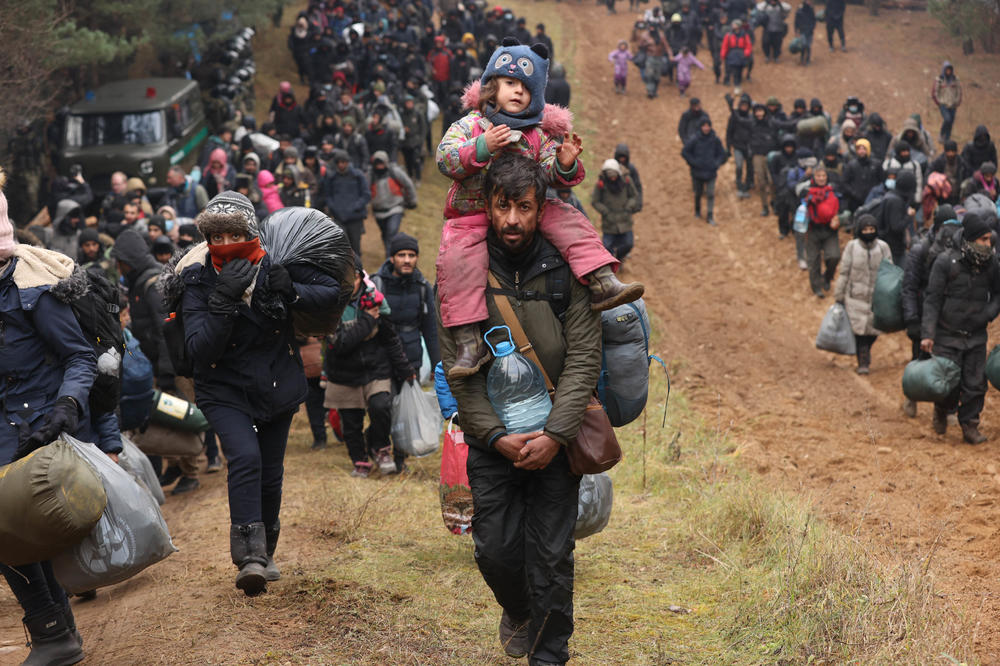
(71,623)
(471,352)
(607,291)
(248,548)
(271,571)
(52,643)
(940,420)
(971,434)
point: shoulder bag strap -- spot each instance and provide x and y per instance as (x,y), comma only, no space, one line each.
(524,345)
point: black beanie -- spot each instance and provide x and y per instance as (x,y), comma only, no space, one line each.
(943,213)
(403,241)
(88,235)
(974,227)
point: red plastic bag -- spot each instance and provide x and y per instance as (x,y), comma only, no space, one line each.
(334,418)
(456,495)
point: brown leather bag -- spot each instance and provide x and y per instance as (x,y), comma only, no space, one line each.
(312,358)
(595,448)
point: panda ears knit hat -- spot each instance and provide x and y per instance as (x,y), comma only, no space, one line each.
(228,211)
(530,66)
(6,228)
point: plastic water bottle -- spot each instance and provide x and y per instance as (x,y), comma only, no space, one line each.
(516,388)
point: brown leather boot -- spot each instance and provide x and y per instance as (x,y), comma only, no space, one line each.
(607,291)
(971,434)
(471,352)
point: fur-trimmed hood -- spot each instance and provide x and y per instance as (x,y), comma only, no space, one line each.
(556,120)
(39,270)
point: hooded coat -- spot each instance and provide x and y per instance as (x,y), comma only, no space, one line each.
(413,312)
(145,304)
(622,150)
(269,193)
(346,194)
(895,220)
(65,238)
(947,91)
(855,285)
(615,205)
(919,137)
(980,149)
(878,136)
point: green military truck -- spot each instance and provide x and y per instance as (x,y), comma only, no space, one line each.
(140,126)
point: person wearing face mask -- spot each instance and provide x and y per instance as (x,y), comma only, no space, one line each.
(615,198)
(963,297)
(902,159)
(897,214)
(822,246)
(392,192)
(856,284)
(248,380)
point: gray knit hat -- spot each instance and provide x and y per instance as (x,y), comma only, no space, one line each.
(228,211)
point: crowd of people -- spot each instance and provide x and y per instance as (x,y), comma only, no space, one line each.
(515,238)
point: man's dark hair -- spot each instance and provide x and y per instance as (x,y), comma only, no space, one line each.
(512,176)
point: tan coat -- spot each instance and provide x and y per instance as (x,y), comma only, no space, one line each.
(856,282)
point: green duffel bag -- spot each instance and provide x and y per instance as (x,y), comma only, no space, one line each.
(993,367)
(176,413)
(930,380)
(157,440)
(51,500)
(887,299)
(812,126)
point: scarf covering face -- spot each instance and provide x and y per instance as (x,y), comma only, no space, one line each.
(978,256)
(249,250)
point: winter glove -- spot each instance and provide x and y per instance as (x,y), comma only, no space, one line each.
(280,282)
(64,417)
(234,278)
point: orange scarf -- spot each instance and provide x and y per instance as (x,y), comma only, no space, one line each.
(223,254)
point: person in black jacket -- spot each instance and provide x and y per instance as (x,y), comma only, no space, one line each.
(897,215)
(236,307)
(945,234)
(963,297)
(878,136)
(861,174)
(411,300)
(805,26)
(980,149)
(763,139)
(704,154)
(557,90)
(835,22)
(738,145)
(624,157)
(690,120)
(953,166)
(363,358)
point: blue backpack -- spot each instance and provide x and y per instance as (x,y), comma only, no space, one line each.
(137,385)
(623,385)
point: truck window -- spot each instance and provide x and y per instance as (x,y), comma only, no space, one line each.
(111,129)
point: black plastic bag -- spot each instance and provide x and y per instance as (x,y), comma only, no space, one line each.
(306,237)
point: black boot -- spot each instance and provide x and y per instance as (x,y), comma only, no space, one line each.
(607,291)
(271,571)
(971,434)
(52,643)
(248,548)
(940,420)
(71,622)
(471,352)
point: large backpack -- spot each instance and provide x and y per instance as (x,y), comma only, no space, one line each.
(875,208)
(137,385)
(97,312)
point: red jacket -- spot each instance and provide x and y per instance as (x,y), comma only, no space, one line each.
(734,41)
(823,204)
(440,62)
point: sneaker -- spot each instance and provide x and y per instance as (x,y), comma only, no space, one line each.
(362,470)
(862,370)
(803,265)
(514,636)
(383,458)
(844,49)
(185,485)
(214,465)
(170,474)
(318,445)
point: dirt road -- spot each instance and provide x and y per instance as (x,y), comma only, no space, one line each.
(739,319)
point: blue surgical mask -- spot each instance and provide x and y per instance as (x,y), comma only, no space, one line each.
(890,183)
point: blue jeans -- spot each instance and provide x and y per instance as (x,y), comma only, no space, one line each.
(255,452)
(618,244)
(390,227)
(947,121)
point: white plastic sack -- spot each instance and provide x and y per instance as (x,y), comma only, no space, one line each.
(594,508)
(416,421)
(835,334)
(425,364)
(433,110)
(130,536)
(136,463)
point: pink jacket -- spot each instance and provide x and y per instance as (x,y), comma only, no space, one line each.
(457,159)
(269,191)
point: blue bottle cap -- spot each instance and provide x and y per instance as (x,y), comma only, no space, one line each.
(505,348)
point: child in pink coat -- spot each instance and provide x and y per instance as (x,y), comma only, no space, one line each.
(685,59)
(509,113)
(269,192)
(620,57)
